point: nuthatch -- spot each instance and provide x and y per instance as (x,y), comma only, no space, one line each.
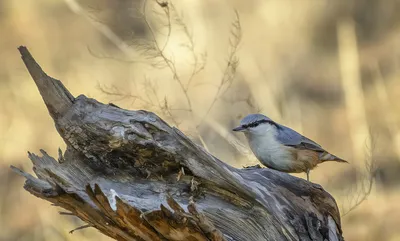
(281,148)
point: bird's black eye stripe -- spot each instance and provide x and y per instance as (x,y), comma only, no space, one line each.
(256,123)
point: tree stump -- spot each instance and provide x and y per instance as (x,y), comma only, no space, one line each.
(134,177)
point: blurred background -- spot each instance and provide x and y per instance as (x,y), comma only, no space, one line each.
(328,69)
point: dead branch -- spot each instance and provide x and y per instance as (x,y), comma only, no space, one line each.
(133,177)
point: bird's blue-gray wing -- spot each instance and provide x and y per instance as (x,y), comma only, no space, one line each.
(289,137)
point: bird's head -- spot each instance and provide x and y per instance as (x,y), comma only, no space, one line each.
(256,124)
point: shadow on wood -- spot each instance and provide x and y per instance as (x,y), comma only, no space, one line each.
(133,177)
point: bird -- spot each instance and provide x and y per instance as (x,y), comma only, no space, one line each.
(280,148)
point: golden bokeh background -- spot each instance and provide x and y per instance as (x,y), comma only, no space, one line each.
(328,69)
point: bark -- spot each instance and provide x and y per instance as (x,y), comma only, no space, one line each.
(134,177)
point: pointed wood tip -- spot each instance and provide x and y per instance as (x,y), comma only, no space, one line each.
(56,97)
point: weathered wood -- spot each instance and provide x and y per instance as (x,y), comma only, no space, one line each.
(133,177)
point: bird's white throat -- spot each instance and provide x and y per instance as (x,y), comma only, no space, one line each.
(265,146)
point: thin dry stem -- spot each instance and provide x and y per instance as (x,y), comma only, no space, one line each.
(170,64)
(231,66)
(197,65)
(359,193)
(121,95)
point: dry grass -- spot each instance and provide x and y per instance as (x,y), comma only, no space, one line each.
(332,76)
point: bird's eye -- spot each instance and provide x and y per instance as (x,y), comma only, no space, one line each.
(253,124)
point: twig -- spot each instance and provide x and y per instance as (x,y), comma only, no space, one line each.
(66,213)
(170,64)
(163,108)
(114,91)
(161,53)
(80,228)
(231,66)
(197,67)
(366,185)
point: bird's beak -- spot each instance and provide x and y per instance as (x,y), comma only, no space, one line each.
(239,128)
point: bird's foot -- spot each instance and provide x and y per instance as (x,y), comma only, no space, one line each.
(252,167)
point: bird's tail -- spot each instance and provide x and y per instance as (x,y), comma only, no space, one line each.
(325,156)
